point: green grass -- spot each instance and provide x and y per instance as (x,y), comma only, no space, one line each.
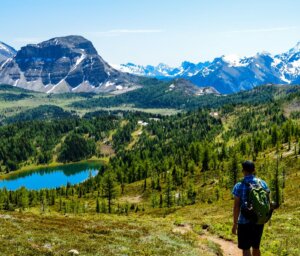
(150,232)
(24,234)
(11,108)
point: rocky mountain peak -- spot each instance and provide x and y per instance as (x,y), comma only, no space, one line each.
(62,64)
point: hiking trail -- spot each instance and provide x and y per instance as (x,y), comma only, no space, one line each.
(228,248)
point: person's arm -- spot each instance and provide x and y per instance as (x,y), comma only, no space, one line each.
(236,212)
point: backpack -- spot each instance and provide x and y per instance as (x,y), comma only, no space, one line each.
(257,207)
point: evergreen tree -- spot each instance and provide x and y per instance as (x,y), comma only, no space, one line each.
(168,190)
(109,187)
(98,209)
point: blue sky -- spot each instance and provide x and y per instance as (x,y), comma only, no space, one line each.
(154,31)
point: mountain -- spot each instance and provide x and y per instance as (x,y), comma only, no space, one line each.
(72,64)
(174,94)
(186,87)
(230,73)
(6,52)
(163,71)
(64,64)
(289,65)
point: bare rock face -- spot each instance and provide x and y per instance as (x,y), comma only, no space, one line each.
(63,64)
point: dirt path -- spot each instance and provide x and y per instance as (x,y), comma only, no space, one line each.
(228,247)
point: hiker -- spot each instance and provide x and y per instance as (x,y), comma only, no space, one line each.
(248,231)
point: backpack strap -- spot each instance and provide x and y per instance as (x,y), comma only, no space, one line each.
(260,184)
(257,182)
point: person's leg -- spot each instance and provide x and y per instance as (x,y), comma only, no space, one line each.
(255,252)
(243,239)
(246,253)
(255,243)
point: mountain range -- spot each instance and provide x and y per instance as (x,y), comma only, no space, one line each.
(230,73)
(72,64)
(62,64)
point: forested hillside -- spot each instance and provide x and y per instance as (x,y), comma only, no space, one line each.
(174,170)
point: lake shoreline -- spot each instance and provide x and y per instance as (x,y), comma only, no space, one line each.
(34,167)
(52,177)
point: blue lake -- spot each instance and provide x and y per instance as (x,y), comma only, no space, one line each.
(51,177)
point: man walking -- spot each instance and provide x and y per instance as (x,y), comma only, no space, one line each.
(249,233)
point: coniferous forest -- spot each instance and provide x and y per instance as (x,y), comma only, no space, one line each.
(173,171)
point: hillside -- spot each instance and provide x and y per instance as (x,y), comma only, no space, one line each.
(155,97)
(173,172)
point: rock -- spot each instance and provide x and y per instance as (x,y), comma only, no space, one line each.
(5,216)
(73,252)
(47,246)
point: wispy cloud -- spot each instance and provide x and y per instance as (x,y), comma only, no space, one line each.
(261,30)
(120,32)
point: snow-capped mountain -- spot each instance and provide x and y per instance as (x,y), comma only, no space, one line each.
(289,65)
(64,64)
(163,71)
(6,52)
(72,64)
(230,73)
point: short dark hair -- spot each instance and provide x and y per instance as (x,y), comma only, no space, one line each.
(248,166)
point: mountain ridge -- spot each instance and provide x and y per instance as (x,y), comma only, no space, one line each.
(72,64)
(64,64)
(230,73)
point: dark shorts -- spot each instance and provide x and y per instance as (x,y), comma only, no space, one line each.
(249,235)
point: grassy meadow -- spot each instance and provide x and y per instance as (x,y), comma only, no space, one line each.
(192,157)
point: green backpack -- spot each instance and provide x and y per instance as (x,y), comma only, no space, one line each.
(257,208)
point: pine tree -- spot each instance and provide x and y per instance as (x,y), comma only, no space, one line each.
(168,190)
(234,170)
(206,159)
(276,185)
(109,188)
(191,192)
(98,206)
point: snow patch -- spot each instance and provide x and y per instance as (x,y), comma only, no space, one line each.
(16,82)
(52,89)
(75,88)
(276,62)
(2,66)
(282,77)
(109,83)
(233,60)
(78,61)
(4,48)
(296,64)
